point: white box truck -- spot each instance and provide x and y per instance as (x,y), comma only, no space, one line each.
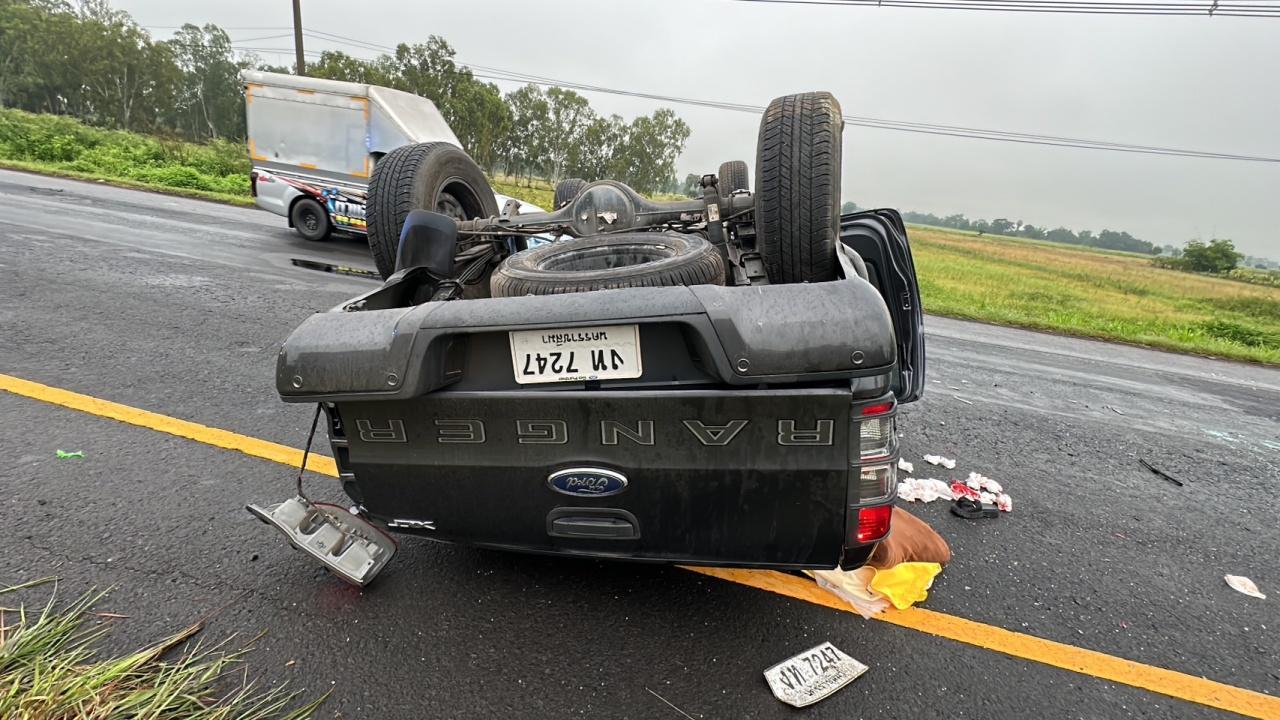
(313,144)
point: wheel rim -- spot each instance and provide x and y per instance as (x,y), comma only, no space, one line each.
(447,204)
(310,221)
(459,200)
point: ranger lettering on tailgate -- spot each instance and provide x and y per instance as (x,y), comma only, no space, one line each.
(641,432)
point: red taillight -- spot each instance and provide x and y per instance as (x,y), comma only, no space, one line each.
(880,409)
(873,523)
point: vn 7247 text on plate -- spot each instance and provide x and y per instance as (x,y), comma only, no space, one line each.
(578,354)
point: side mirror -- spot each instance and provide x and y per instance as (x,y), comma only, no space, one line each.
(429,240)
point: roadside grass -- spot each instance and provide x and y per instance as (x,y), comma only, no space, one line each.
(1094,294)
(62,146)
(51,669)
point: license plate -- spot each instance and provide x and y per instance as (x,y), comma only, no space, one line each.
(812,675)
(576,354)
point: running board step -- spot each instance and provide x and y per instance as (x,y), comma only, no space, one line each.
(350,547)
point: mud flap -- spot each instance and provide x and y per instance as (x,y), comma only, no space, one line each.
(348,546)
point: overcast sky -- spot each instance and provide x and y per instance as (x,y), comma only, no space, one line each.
(1190,82)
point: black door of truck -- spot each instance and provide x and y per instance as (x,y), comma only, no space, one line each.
(880,237)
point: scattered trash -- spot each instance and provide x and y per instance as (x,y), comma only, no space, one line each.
(971,509)
(906,583)
(1114,410)
(1161,473)
(1004,502)
(982,482)
(905,466)
(978,488)
(1242,584)
(924,490)
(854,587)
(291,663)
(63,454)
(812,675)
(966,402)
(945,462)
(952,387)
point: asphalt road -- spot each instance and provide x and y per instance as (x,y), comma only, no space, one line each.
(178,306)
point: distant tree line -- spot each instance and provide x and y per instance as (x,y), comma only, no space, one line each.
(1218,256)
(527,132)
(1108,239)
(87,60)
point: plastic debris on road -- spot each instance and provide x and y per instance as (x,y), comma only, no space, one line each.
(989,491)
(905,466)
(854,587)
(924,490)
(984,483)
(907,583)
(63,454)
(945,462)
(976,487)
(1242,584)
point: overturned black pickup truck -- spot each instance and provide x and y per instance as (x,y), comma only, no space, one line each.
(710,381)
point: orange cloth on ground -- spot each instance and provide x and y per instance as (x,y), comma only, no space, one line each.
(911,540)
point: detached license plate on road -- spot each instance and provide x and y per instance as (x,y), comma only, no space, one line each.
(812,675)
(576,354)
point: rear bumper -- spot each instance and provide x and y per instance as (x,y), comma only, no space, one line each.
(752,464)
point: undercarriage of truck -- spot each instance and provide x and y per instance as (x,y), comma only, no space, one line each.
(709,381)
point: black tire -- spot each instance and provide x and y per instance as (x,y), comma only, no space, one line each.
(430,176)
(798,187)
(310,219)
(566,190)
(603,262)
(733,176)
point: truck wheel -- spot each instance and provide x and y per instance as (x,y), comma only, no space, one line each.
(733,176)
(566,190)
(603,262)
(798,187)
(310,219)
(430,176)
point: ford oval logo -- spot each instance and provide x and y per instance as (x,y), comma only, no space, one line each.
(587,482)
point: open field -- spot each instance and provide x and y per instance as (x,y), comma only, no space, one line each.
(1094,294)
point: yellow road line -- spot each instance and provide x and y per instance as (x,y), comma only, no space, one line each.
(163,423)
(1027,647)
(1019,645)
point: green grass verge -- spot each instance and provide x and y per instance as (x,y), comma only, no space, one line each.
(43,169)
(1076,291)
(51,667)
(58,145)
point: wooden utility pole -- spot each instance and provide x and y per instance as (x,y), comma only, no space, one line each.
(297,36)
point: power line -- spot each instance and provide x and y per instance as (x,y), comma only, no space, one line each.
(935,129)
(1203,8)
